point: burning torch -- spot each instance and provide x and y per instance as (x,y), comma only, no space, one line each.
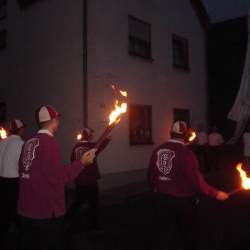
(115,116)
(3,133)
(245,181)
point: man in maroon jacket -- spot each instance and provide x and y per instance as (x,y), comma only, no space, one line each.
(175,178)
(87,191)
(41,204)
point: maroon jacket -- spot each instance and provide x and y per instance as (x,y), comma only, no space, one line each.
(174,170)
(43,177)
(91,174)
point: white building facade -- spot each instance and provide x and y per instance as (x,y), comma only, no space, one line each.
(68,53)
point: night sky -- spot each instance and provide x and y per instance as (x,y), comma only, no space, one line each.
(220,10)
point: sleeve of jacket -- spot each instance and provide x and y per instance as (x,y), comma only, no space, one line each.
(195,177)
(57,172)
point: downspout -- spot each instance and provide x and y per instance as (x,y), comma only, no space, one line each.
(85,62)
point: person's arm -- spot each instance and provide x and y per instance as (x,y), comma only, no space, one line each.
(57,173)
(16,149)
(198,182)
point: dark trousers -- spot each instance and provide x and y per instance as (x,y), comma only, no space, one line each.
(9,197)
(45,234)
(175,222)
(86,194)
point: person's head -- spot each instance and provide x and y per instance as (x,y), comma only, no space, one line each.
(16,127)
(48,118)
(87,134)
(179,130)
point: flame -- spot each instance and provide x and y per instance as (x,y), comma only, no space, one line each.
(3,133)
(192,136)
(116,113)
(79,136)
(244,179)
(124,93)
(115,88)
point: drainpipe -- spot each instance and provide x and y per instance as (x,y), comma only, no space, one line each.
(85,62)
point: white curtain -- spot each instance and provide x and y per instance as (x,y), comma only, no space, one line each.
(240,111)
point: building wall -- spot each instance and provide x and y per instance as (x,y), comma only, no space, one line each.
(43,64)
(155,83)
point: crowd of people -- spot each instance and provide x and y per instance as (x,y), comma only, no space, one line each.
(33,179)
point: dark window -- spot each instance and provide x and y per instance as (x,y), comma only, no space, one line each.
(140,124)
(180,52)
(26,3)
(2,113)
(139,38)
(3,38)
(182,115)
(3,9)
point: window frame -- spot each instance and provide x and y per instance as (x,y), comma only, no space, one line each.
(133,141)
(133,40)
(184,46)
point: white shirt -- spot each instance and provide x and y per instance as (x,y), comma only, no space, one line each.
(10,150)
(215,139)
(246,141)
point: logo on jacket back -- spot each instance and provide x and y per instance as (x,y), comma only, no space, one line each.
(29,155)
(164,160)
(79,151)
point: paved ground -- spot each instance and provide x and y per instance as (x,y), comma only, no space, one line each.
(128,224)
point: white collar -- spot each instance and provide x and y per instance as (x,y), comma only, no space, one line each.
(176,141)
(45,131)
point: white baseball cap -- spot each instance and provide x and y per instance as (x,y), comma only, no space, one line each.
(179,127)
(16,124)
(46,113)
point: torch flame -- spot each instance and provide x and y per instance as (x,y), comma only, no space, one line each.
(79,137)
(3,133)
(124,93)
(115,114)
(244,179)
(192,136)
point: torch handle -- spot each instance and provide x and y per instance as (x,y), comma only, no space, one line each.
(104,135)
(235,191)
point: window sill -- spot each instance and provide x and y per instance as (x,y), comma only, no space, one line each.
(145,58)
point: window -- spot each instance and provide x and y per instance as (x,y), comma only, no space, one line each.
(140,124)
(26,3)
(2,112)
(3,38)
(180,52)
(139,38)
(3,9)
(182,115)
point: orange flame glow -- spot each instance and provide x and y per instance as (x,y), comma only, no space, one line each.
(116,113)
(79,136)
(124,93)
(3,133)
(245,181)
(192,136)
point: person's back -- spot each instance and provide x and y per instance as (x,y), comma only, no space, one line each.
(10,149)
(41,179)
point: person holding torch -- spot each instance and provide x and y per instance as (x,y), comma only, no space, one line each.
(87,191)
(175,178)
(41,204)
